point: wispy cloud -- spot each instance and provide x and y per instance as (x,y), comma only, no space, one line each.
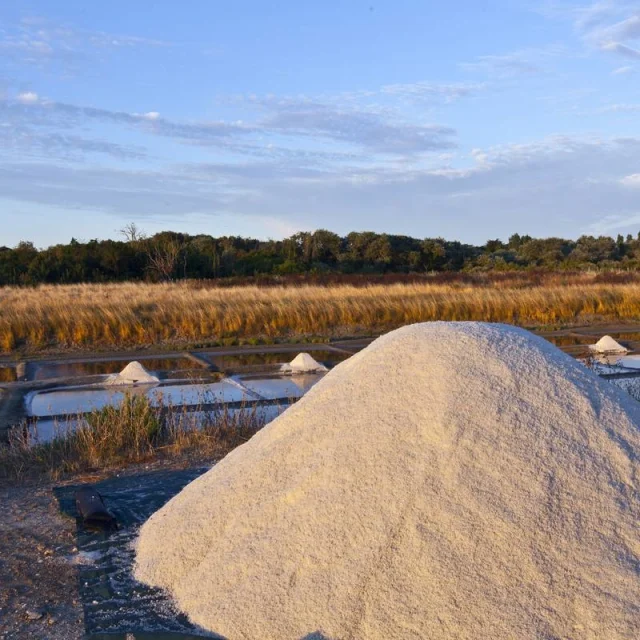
(589,17)
(360,128)
(376,100)
(301,120)
(38,127)
(28,97)
(424,92)
(610,26)
(30,143)
(613,222)
(575,181)
(32,127)
(117,191)
(620,71)
(30,108)
(39,41)
(619,108)
(69,35)
(632,180)
(621,49)
(515,63)
(627,29)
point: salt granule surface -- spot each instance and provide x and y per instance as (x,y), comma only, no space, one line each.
(607,344)
(133,373)
(302,363)
(450,481)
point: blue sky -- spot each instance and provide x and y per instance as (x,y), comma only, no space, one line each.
(463,119)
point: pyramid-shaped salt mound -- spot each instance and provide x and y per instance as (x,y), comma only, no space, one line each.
(133,373)
(302,363)
(607,344)
(452,480)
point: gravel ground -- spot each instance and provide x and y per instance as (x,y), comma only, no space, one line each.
(38,584)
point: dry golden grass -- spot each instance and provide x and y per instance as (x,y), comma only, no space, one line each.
(130,315)
(134,431)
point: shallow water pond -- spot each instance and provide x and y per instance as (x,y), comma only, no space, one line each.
(59,402)
(225,362)
(281,387)
(572,340)
(72,401)
(195,394)
(628,362)
(48,371)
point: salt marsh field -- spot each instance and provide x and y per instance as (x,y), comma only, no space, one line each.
(51,396)
(70,417)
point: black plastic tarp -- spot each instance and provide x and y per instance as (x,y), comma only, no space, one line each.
(114,603)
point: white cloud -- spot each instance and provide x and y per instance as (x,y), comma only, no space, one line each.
(377,100)
(621,49)
(632,180)
(613,222)
(64,115)
(620,71)
(592,16)
(620,108)
(628,29)
(557,186)
(27,142)
(431,92)
(304,122)
(611,26)
(516,63)
(359,127)
(480,156)
(560,185)
(28,97)
(37,41)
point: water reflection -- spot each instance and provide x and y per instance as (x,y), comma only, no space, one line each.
(230,390)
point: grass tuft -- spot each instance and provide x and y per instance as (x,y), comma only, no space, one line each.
(135,431)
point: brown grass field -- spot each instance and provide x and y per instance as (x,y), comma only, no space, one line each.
(117,316)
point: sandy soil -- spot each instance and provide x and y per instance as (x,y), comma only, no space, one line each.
(39,597)
(38,590)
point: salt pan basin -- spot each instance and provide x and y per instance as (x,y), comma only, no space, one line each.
(254,388)
(629,362)
(65,402)
(281,387)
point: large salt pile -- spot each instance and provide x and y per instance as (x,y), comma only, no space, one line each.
(452,480)
(133,373)
(607,344)
(303,363)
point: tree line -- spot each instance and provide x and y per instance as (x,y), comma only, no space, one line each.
(171,256)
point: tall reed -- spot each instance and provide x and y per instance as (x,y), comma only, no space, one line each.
(113,316)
